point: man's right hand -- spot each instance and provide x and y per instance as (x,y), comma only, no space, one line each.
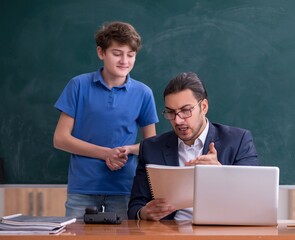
(156,209)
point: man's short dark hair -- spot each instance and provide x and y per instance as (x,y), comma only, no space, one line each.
(187,80)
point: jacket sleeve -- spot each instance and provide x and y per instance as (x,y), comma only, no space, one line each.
(237,148)
(246,154)
(151,151)
(140,193)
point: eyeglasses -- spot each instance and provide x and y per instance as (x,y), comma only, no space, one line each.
(183,113)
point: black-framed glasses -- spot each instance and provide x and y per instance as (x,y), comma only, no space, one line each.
(183,113)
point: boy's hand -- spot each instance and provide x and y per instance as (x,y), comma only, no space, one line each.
(116,158)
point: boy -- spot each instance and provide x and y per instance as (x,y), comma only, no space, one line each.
(100,115)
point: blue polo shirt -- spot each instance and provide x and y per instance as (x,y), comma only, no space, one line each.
(105,117)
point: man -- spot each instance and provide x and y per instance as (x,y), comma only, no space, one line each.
(195,140)
(100,115)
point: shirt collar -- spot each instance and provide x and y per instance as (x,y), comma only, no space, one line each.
(98,78)
(200,140)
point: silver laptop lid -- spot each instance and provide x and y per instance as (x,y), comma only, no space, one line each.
(235,195)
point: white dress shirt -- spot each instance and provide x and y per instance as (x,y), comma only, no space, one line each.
(187,153)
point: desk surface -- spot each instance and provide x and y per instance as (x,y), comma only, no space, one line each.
(166,230)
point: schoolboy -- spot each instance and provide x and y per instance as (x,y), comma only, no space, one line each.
(100,115)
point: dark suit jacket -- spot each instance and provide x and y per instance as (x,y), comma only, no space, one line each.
(234,147)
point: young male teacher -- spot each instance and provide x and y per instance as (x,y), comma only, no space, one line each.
(195,140)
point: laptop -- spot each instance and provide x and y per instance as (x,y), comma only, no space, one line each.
(235,195)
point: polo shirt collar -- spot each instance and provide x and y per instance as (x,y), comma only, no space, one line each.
(98,78)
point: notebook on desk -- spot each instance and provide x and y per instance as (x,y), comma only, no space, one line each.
(235,195)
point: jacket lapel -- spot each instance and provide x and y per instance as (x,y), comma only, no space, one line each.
(170,153)
(211,137)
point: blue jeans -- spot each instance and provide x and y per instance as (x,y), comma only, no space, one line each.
(77,203)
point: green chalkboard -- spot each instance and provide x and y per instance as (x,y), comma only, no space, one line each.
(244,50)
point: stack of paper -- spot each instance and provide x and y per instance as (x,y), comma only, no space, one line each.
(23,224)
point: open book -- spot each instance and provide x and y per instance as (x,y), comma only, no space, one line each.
(19,223)
(175,184)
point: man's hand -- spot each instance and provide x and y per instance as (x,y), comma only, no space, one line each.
(156,210)
(209,159)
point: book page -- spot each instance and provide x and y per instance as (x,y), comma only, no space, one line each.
(175,184)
